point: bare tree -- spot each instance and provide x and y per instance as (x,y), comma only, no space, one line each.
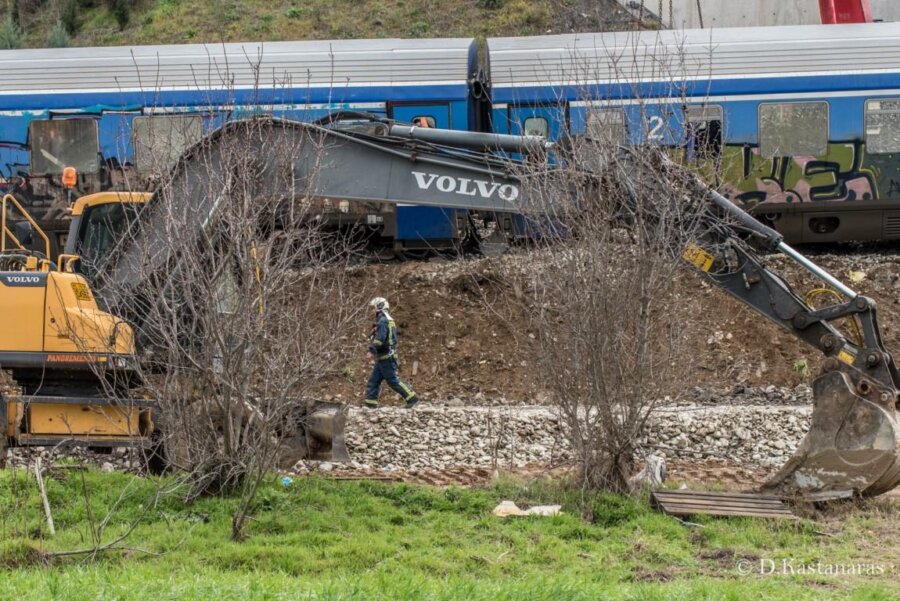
(237,297)
(608,336)
(239,302)
(614,221)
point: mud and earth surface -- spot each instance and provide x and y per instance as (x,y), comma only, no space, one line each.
(746,409)
(458,341)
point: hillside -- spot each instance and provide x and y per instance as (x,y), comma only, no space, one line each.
(453,344)
(125,22)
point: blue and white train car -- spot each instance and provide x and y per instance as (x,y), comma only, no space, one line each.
(800,124)
(125,112)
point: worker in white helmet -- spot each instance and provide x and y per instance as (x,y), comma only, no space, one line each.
(383,349)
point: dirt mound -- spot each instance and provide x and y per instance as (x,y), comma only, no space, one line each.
(451,343)
(715,472)
(458,338)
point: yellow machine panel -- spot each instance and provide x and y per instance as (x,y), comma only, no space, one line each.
(55,312)
(83,420)
(102,198)
(74,324)
(12,419)
(22,306)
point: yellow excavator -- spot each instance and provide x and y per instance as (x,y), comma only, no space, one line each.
(73,362)
(58,345)
(852,447)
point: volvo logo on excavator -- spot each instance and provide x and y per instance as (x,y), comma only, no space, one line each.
(24,280)
(465,186)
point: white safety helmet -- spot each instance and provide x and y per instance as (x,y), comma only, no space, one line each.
(379,303)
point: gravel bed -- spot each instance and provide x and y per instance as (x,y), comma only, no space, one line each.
(750,426)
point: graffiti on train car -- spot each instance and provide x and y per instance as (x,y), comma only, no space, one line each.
(845,173)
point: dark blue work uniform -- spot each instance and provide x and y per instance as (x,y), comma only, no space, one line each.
(383,345)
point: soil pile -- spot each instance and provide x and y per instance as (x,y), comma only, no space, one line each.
(459,340)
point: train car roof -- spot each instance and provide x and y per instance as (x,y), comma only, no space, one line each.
(314,64)
(698,54)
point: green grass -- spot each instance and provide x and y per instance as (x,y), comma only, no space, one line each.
(321,539)
(214,21)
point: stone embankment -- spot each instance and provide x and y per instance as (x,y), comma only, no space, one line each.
(758,427)
(753,426)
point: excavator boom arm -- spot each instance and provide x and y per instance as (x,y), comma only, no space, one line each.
(853,445)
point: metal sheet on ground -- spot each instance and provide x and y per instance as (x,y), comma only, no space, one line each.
(689,502)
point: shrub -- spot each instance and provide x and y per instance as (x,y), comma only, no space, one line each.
(419,29)
(10,36)
(59,36)
(69,16)
(611,510)
(19,554)
(120,11)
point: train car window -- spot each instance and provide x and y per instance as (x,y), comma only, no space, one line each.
(883,125)
(606,125)
(703,134)
(160,139)
(793,129)
(61,143)
(536,126)
(425,121)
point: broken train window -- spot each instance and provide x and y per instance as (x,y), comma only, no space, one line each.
(160,139)
(703,132)
(59,143)
(788,129)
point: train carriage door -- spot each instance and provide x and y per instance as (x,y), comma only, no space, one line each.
(703,132)
(703,139)
(537,120)
(424,227)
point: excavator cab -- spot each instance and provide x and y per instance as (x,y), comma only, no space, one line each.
(99,223)
(62,351)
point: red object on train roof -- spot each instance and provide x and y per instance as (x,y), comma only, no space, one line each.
(845,11)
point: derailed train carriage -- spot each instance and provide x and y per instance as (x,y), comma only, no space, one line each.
(120,115)
(799,124)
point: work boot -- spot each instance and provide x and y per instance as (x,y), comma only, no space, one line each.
(411,402)
(371,403)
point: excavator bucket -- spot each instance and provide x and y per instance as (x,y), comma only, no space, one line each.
(320,436)
(325,432)
(852,447)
